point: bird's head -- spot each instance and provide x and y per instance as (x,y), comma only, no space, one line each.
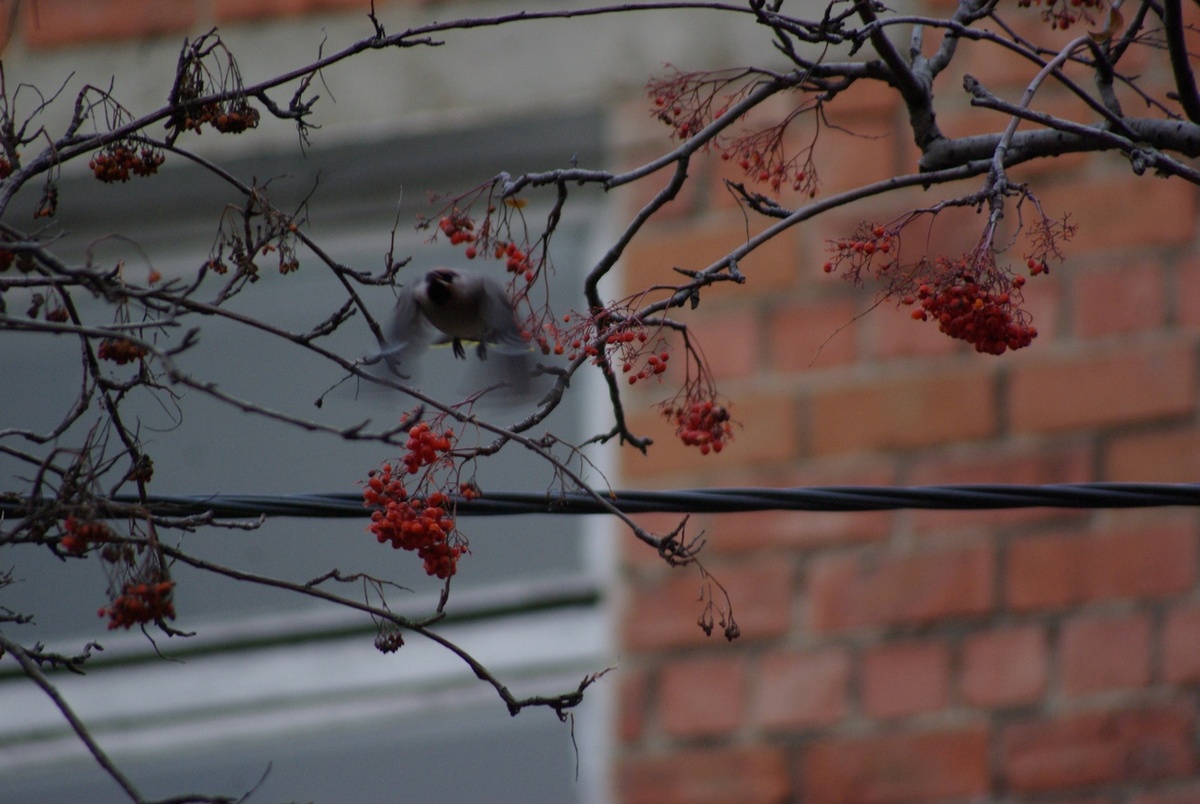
(439,285)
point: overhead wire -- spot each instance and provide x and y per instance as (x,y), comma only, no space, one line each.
(708,501)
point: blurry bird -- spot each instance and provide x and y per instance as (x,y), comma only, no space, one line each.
(461,305)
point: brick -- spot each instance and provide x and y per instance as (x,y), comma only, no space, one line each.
(696,244)
(1094,748)
(1098,654)
(1170,455)
(1186,296)
(802,689)
(664,614)
(754,775)
(55,23)
(1061,569)
(1005,667)
(1032,464)
(795,530)
(1119,299)
(999,68)
(905,678)
(808,335)
(702,697)
(1166,212)
(766,431)
(1185,793)
(802,530)
(633,700)
(242,10)
(1181,644)
(898,767)
(1130,384)
(868,150)
(730,339)
(854,592)
(915,409)
(1046,302)
(892,333)
(638,194)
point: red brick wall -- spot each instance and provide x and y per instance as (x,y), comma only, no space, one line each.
(59,23)
(907,656)
(1039,654)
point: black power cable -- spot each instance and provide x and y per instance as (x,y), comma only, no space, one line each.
(714,501)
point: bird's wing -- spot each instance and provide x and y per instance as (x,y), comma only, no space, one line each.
(500,320)
(407,335)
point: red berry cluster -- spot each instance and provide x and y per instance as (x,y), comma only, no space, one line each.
(629,346)
(233,118)
(120,350)
(389,639)
(857,253)
(655,365)
(118,161)
(426,446)
(683,121)
(988,319)
(516,260)
(412,523)
(458,227)
(1062,14)
(768,169)
(701,424)
(689,101)
(6,168)
(140,602)
(577,337)
(79,535)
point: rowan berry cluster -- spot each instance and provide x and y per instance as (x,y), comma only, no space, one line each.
(457,227)
(141,602)
(970,297)
(688,101)
(701,424)
(426,447)
(655,365)
(6,168)
(683,120)
(990,320)
(574,338)
(120,350)
(79,535)
(758,168)
(412,523)
(763,157)
(1062,14)
(855,255)
(232,118)
(516,260)
(389,639)
(117,162)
